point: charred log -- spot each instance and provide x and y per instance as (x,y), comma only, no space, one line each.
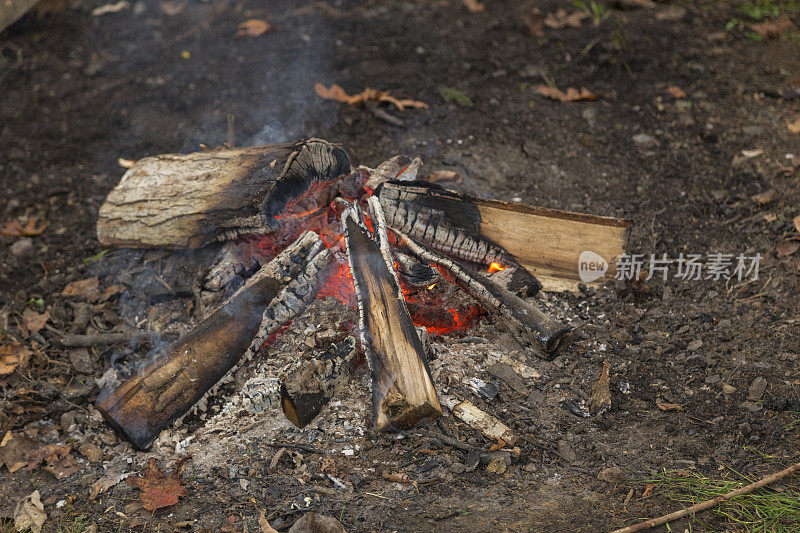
(402,388)
(532,327)
(547,243)
(310,384)
(187,200)
(144,405)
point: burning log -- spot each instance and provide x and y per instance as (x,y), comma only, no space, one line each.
(309,385)
(188,200)
(546,242)
(166,389)
(402,388)
(533,328)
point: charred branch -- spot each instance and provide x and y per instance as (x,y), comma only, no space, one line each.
(402,388)
(547,243)
(531,326)
(144,405)
(187,200)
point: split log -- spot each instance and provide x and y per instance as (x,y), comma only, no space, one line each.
(165,389)
(480,420)
(308,385)
(546,242)
(188,200)
(532,327)
(402,388)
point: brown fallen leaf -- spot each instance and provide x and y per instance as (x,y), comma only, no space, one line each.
(787,247)
(33,322)
(666,406)
(58,460)
(336,93)
(796,222)
(88,289)
(29,514)
(30,227)
(600,401)
(473,6)
(253,28)
(765,197)
(110,291)
(157,489)
(397,477)
(773,29)
(572,94)
(14,450)
(561,19)
(12,356)
(676,92)
(263,523)
(114,474)
(793,127)
(444,176)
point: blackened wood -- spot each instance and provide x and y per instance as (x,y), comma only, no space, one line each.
(149,402)
(546,242)
(531,326)
(187,200)
(402,388)
(310,384)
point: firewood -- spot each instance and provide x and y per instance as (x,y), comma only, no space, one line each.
(532,327)
(546,242)
(402,388)
(480,420)
(310,384)
(187,200)
(165,389)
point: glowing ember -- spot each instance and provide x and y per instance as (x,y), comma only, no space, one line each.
(431,286)
(496,267)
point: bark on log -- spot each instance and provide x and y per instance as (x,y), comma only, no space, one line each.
(546,242)
(187,200)
(402,388)
(164,390)
(310,384)
(532,327)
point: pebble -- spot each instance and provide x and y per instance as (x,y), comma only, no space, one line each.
(91,451)
(613,475)
(565,451)
(750,406)
(695,345)
(728,389)
(757,389)
(81,360)
(22,247)
(457,468)
(644,140)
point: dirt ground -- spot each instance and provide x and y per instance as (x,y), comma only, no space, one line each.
(80,91)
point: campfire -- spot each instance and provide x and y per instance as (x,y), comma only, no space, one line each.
(301,220)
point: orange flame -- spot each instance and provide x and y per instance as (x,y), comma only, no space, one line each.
(496,267)
(431,286)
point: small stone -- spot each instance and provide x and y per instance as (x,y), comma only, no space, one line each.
(713,379)
(67,419)
(728,389)
(566,452)
(91,451)
(757,388)
(473,458)
(529,467)
(644,140)
(316,523)
(22,247)
(750,406)
(613,475)
(457,468)
(81,361)
(695,345)
(132,507)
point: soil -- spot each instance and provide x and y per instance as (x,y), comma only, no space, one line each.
(79,92)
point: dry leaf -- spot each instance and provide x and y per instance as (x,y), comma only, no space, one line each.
(157,489)
(88,289)
(58,460)
(13,355)
(648,489)
(560,19)
(774,29)
(29,513)
(770,217)
(33,322)
(793,127)
(263,523)
(665,406)
(676,92)
(114,475)
(397,477)
(600,401)
(444,176)
(336,93)
(253,28)
(786,247)
(473,6)
(796,222)
(14,451)
(765,197)
(33,226)
(572,94)
(110,291)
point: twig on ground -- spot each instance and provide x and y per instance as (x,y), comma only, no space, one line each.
(708,504)
(103,339)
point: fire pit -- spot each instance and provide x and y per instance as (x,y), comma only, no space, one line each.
(299,220)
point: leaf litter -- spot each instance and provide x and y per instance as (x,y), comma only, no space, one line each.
(157,489)
(336,93)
